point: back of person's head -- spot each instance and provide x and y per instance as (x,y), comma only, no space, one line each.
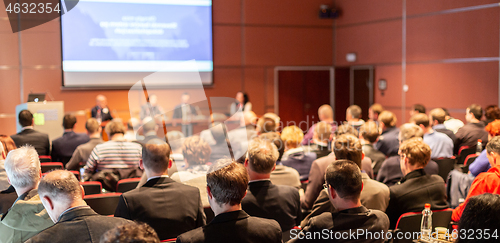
(276,140)
(262,155)
(421,119)
(369,131)
(476,110)
(323,131)
(63,190)
(218,133)
(377,108)
(419,108)
(7,145)
(493,128)
(492,112)
(133,124)
(114,127)
(69,121)
(266,124)
(346,129)
(196,151)
(417,151)
(149,124)
(92,125)
(227,181)
(493,145)
(446,112)
(250,118)
(325,112)
(156,155)
(292,135)
(355,111)
(387,118)
(23,167)
(410,130)
(348,147)
(345,177)
(134,232)
(438,115)
(482,212)
(175,139)
(25,118)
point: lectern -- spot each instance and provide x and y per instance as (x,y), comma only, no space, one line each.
(48,117)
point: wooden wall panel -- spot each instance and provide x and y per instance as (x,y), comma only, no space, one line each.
(361,11)
(227,45)
(414,7)
(226,11)
(255,86)
(9,54)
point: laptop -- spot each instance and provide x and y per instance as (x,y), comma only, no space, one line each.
(36,97)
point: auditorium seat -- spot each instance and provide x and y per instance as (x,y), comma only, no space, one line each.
(103,204)
(468,160)
(45,158)
(169,240)
(125,185)
(410,222)
(91,187)
(445,165)
(48,166)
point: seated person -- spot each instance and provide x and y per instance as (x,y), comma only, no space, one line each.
(390,171)
(294,155)
(196,154)
(29,136)
(264,199)
(473,130)
(353,117)
(220,149)
(227,183)
(162,202)
(82,152)
(481,163)
(344,185)
(150,130)
(416,188)
(375,195)
(131,232)
(368,135)
(487,182)
(115,159)
(388,141)
(482,214)
(321,137)
(63,147)
(62,197)
(441,145)
(133,125)
(325,113)
(437,117)
(23,170)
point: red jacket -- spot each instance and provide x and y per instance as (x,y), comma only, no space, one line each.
(487,182)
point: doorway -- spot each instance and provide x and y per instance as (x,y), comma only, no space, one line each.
(361,90)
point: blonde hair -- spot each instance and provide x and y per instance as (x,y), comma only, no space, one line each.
(292,134)
(387,118)
(416,151)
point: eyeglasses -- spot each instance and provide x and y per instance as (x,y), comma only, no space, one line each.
(325,186)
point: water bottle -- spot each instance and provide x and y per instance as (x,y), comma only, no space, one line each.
(426,226)
(479,147)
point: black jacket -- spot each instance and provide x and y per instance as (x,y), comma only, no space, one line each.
(7,198)
(63,147)
(171,208)
(32,137)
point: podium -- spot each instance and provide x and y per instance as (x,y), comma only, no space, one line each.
(48,116)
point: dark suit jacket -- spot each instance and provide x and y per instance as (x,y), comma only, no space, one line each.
(349,220)
(300,161)
(469,134)
(413,192)
(236,226)
(78,225)
(320,150)
(63,147)
(281,203)
(178,111)
(388,142)
(171,208)
(376,156)
(104,116)
(390,172)
(32,137)
(7,198)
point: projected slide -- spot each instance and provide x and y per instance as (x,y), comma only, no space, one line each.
(109,43)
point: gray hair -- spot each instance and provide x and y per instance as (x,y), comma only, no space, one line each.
(23,167)
(60,185)
(262,155)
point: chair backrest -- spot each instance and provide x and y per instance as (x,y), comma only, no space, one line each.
(45,158)
(445,166)
(103,204)
(468,160)
(410,222)
(464,153)
(125,185)
(91,187)
(170,240)
(48,166)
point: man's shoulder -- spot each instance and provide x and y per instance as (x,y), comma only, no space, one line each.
(186,190)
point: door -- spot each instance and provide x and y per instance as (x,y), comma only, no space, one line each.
(362,88)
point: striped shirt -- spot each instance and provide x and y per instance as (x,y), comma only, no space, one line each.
(114,155)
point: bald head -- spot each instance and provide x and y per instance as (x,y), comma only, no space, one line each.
(101,101)
(250,117)
(325,113)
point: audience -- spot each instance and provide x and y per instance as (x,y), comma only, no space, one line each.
(82,152)
(374,111)
(353,116)
(375,195)
(344,185)
(263,198)
(388,141)
(101,110)
(368,135)
(243,134)
(266,124)
(171,208)
(487,182)
(6,145)
(133,126)
(26,217)
(417,109)
(491,113)
(62,197)
(481,163)
(63,147)
(150,130)
(131,233)
(366,162)
(196,155)
(321,138)
(294,155)
(221,147)
(451,123)
(416,188)
(390,172)
(227,183)
(325,114)
(115,159)
(29,136)
(436,118)
(469,134)
(440,144)
(482,215)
